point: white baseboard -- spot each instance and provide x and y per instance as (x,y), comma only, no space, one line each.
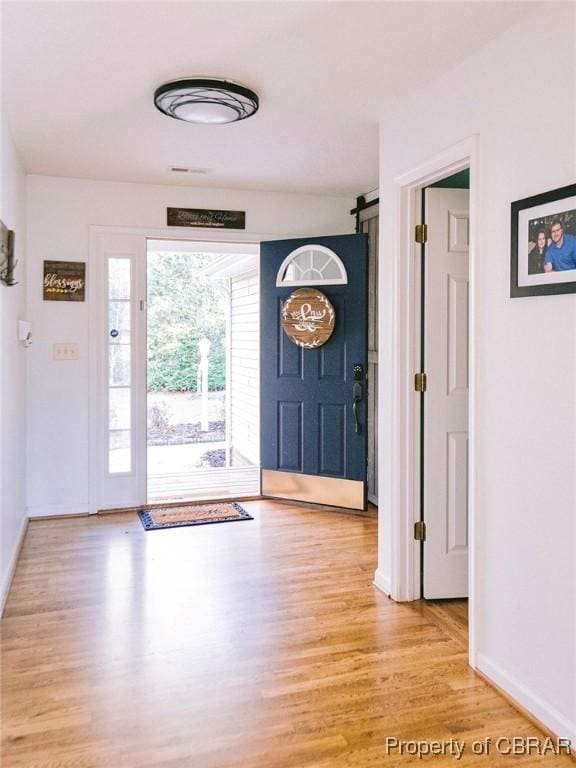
(7,580)
(382,582)
(57,510)
(534,704)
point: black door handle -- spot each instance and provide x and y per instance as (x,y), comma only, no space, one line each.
(357,396)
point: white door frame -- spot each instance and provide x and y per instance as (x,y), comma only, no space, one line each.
(97,299)
(402,414)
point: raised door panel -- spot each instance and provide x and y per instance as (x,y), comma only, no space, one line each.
(331,439)
(290,435)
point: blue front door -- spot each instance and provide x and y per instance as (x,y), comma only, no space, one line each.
(313,401)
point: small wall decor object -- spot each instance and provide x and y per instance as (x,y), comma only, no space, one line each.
(543,248)
(201,217)
(64,280)
(308,318)
(25,332)
(7,262)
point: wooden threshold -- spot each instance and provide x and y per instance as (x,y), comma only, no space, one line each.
(179,503)
(68,516)
(450,616)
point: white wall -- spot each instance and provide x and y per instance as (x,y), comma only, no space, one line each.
(12,368)
(518,95)
(60,212)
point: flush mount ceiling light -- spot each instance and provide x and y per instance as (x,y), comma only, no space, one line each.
(206,101)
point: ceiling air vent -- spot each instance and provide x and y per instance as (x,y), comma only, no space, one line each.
(182,169)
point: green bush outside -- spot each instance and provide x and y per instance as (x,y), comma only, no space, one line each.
(184,307)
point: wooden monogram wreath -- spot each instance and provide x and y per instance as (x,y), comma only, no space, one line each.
(308,318)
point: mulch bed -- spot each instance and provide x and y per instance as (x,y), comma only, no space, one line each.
(214,458)
(183,434)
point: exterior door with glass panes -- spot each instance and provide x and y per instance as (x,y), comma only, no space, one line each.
(119,463)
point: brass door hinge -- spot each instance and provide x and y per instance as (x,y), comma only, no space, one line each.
(421,233)
(420,382)
(420,531)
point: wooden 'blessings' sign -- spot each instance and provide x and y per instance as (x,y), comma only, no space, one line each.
(64,280)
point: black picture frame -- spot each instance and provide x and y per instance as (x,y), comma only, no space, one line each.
(532,220)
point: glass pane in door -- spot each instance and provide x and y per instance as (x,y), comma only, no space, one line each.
(119,366)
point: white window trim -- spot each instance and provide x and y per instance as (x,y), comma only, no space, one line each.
(324,281)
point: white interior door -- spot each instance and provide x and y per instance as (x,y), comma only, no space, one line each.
(445,478)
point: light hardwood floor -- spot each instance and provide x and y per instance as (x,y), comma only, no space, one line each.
(257,644)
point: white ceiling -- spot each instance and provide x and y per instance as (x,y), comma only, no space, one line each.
(78,80)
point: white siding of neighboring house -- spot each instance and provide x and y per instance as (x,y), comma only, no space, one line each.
(244,370)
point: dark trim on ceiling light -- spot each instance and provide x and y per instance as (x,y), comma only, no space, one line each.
(224,96)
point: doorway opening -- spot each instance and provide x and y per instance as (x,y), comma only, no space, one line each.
(202,351)
(399,569)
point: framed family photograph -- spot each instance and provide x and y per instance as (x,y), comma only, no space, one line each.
(543,254)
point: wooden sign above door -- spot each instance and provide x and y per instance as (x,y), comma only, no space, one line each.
(202,217)
(308,318)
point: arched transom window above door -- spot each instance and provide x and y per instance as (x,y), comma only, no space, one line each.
(312,265)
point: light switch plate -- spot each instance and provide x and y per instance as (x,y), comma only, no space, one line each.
(65,351)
